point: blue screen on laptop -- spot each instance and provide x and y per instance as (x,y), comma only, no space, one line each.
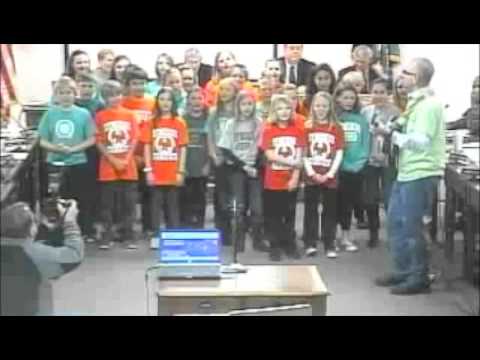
(189,246)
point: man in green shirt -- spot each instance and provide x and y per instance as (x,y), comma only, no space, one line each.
(421,140)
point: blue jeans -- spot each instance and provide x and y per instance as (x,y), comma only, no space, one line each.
(408,247)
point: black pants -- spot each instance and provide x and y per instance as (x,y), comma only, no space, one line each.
(77,183)
(94,195)
(247,193)
(221,202)
(280,210)
(165,201)
(118,196)
(373,189)
(193,202)
(311,218)
(145,199)
(350,192)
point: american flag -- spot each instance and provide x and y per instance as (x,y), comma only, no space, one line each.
(8,89)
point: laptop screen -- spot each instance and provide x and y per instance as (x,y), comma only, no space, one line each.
(190,247)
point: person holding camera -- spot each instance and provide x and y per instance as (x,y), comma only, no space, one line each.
(27,266)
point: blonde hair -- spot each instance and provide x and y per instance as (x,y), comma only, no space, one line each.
(277,99)
(353,76)
(111,88)
(65,82)
(331,116)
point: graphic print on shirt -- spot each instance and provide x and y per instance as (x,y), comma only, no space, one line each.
(321,149)
(165,144)
(197,138)
(352,132)
(64,129)
(284,146)
(242,144)
(118,136)
(142,115)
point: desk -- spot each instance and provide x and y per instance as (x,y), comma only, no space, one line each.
(458,187)
(261,286)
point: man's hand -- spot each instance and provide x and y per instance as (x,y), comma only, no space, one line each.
(70,212)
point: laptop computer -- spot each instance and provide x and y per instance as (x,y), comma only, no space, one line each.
(189,254)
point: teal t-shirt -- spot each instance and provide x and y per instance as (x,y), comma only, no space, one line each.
(71,126)
(357,141)
(152,88)
(92,105)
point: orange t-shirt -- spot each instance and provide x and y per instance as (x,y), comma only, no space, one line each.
(166,136)
(144,108)
(117,130)
(211,92)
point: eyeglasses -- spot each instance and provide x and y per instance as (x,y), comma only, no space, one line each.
(408,73)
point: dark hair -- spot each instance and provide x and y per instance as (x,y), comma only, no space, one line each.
(70,71)
(17,220)
(243,69)
(340,89)
(169,91)
(118,58)
(312,88)
(134,72)
(169,60)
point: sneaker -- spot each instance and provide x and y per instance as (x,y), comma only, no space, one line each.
(132,246)
(331,254)
(154,243)
(105,247)
(349,246)
(311,251)
(275,255)
(89,239)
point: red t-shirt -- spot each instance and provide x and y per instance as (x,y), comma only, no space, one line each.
(144,108)
(299,121)
(117,130)
(166,136)
(323,142)
(285,142)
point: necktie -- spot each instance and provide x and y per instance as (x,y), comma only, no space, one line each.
(292,76)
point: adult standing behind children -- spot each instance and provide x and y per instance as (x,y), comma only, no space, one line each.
(203,72)
(223,68)
(422,145)
(294,69)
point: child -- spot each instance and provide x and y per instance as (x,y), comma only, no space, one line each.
(325,143)
(379,116)
(105,59)
(162,65)
(65,131)
(143,106)
(240,74)
(267,88)
(224,62)
(90,99)
(239,142)
(165,139)
(322,78)
(357,144)
(283,145)
(173,79)
(219,116)
(119,65)
(193,194)
(188,77)
(117,138)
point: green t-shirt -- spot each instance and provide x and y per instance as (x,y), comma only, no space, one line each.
(92,105)
(152,88)
(70,127)
(424,115)
(357,141)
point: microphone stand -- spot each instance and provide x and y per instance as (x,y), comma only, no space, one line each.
(235,267)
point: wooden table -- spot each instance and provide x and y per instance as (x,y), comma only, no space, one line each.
(261,286)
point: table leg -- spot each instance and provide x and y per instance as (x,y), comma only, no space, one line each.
(450,210)
(319,306)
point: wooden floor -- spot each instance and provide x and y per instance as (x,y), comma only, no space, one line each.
(113,282)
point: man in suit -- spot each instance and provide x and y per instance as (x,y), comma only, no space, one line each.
(295,69)
(363,59)
(203,72)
